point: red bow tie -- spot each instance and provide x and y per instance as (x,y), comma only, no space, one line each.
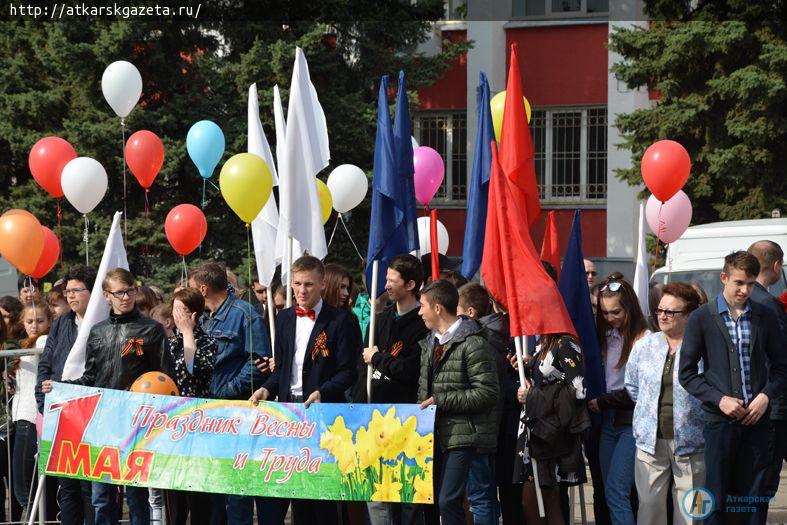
(302,312)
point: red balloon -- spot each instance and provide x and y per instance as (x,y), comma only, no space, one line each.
(665,168)
(49,254)
(47,160)
(144,156)
(185,227)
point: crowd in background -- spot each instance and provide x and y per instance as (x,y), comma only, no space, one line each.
(697,382)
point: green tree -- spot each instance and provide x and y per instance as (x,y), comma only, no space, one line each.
(721,69)
(194,70)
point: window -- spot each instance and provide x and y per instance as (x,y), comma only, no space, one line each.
(447,134)
(558,8)
(570,153)
(455,9)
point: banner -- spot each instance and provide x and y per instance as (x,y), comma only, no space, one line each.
(329,451)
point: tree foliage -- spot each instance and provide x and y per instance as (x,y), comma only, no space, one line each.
(720,68)
(192,70)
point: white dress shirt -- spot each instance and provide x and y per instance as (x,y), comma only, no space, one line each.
(449,334)
(303,331)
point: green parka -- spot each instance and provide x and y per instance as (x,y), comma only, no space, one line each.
(465,388)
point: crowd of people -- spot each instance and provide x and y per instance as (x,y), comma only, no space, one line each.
(694,394)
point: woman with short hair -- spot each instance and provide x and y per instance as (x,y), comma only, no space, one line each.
(668,421)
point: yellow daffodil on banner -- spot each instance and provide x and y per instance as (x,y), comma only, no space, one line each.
(368,451)
(388,489)
(424,490)
(337,436)
(387,460)
(419,448)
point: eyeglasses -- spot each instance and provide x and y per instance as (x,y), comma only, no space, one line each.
(613,286)
(130,292)
(592,273)
(73,291)
(668,314)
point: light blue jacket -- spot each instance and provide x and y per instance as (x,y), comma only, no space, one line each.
(643,383)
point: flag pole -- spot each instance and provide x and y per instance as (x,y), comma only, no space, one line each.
(288,288)
(372,318)
(271,314)
(519,343)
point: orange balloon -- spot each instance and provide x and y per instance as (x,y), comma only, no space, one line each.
(21,240)
(155,383)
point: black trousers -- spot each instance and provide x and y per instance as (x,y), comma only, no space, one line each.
(777,450)
(74,498)
(591,448)
(736,467)
(184,505)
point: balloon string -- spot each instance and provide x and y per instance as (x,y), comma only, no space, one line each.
(60,229)
(661,228)
(203,193)
(85,237)
(185,273)
(351,237)
(213,184)
(123,147)
(335,224)
(251,330)
(28,283)
(147,207)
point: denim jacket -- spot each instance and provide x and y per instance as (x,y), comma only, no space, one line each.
(643,382)
(234,375)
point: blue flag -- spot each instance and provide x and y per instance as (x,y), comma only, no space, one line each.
(475,227)
(387,237)
(573,287)
(403,156)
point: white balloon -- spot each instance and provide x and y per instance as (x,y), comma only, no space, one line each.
(122,86)
(84,182)
(424,236)
(415,142)
(348,185)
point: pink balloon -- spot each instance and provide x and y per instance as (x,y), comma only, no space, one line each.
(429,173)
(670,220)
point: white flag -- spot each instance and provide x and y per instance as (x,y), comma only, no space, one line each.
(265,225)
(641,270)
(98,308)
(306,153)
(281,139)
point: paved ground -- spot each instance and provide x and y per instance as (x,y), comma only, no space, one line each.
(777,512)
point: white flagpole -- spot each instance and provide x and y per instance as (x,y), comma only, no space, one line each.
(519,343)
(372,319)
(271,314)
(289,273)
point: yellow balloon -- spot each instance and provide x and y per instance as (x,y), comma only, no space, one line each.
(326,201)
(246,185)
(497,105)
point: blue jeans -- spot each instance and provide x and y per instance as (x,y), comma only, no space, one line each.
(616,454)
(482,490)
(105,504)
(453,481)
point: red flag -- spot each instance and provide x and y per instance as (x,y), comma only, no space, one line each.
(550,252)
(512,270)
(517,155)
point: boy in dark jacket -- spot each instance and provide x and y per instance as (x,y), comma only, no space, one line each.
(459,377)
(119,350)
(395,360)
(73,494)
(744,367)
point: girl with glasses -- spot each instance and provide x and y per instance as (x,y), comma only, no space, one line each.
(620,324)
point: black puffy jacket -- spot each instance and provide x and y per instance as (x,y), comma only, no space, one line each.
(122,348)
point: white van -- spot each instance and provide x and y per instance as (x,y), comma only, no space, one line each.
(699,254)
(8,279)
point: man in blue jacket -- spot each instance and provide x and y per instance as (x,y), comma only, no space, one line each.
(73,494)
(241,339)
(744,368)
